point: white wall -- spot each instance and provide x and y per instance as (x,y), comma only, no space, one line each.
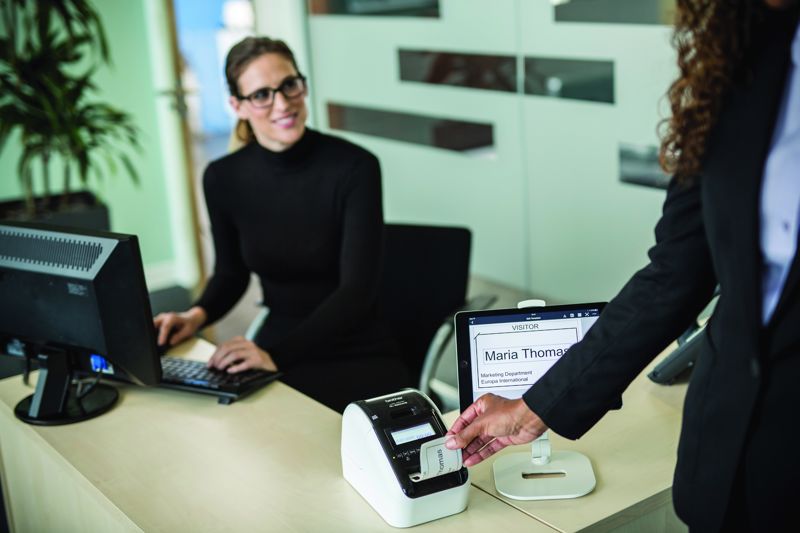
(588,231)
(286,20)
(547,210)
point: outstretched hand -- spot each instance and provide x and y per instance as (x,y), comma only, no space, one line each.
(490,424)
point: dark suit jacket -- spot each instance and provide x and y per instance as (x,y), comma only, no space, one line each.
(741,406)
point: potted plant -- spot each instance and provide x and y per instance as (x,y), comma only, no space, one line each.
(49,52)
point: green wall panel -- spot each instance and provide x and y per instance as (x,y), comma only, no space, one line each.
(127,84)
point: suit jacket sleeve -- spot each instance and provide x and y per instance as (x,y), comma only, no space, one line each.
(650,311)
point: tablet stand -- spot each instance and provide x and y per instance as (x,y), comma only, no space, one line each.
(543,474)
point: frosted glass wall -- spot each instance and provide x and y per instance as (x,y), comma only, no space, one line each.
(514,118)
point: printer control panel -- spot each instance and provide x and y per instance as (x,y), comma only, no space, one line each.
(403,422)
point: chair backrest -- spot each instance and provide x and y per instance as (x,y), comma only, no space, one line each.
(426,270)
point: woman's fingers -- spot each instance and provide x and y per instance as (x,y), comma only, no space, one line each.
(166,323)
(240,354)
(224,357)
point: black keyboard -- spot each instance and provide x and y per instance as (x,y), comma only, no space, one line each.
(183,373)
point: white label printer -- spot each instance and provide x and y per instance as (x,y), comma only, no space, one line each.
(383,440)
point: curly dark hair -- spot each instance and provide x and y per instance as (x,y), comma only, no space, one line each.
(236,62)
(712,38)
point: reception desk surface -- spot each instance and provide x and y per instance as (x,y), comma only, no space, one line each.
(166,460)
(633,453)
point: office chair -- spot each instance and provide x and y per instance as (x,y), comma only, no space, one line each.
(439,377)
(424,283)
(426,271)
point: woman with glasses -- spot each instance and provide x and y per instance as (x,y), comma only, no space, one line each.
(303,211)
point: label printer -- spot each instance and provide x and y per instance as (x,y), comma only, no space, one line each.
(393,454)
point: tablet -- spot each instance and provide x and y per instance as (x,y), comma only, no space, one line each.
(505,351)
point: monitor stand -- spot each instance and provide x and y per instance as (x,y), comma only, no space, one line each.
(542,474)
(56,401)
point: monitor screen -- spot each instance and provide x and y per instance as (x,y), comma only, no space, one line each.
(506,351)
(75,301)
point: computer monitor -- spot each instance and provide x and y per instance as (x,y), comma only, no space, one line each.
(505,352)
(75,301)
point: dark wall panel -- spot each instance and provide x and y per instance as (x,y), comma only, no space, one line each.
(477,71)
(372,8)
(413,128)
(638,164)
(577,79)
(616,11)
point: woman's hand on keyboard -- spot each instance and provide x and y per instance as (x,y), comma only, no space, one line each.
(239,354)
(174,328)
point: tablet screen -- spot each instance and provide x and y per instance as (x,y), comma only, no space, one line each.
(506,351)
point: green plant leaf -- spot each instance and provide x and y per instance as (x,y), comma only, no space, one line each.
(82,158)
(130,169)
(46,78)
(79,18)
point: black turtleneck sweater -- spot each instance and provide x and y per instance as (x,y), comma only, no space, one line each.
(309,222)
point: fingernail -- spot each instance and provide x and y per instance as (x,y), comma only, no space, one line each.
(450,443)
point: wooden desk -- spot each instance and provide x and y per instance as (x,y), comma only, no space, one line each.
(165,460)
(633,452)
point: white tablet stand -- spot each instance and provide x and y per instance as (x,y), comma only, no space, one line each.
(544,474)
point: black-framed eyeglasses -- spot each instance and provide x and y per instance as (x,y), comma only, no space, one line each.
(264,97)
